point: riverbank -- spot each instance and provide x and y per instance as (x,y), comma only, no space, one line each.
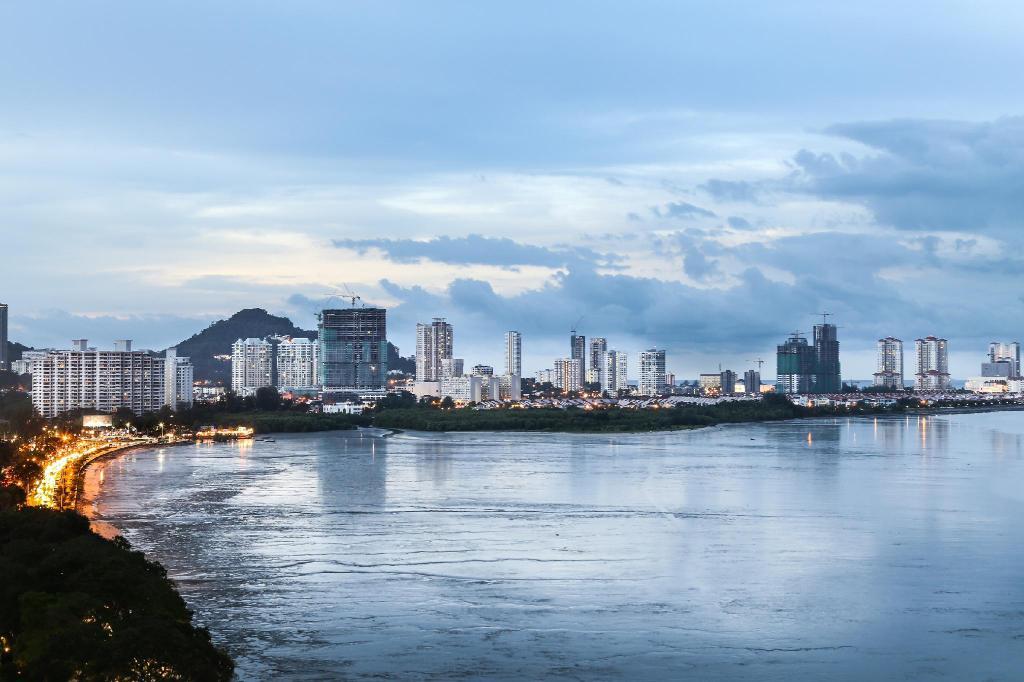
(612,420)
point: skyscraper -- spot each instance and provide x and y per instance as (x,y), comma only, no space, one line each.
(795,366)
(5,362)
(614,375)
(827,377)
(889,372)
(434,343)
(727,382)
(598,347)
(652,372)
(513,353)
(1006,352)
(578,348)
(352,349)
(752,381)
(932,364)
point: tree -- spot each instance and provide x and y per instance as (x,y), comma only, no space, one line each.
(267,398)
(447,403)
(76,606)
(396,401)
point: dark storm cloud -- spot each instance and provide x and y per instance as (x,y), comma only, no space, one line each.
(925,175)
(477,249)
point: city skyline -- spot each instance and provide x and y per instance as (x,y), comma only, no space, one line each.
(700,219)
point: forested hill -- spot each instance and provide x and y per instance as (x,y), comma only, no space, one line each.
(249,323)
(14,350)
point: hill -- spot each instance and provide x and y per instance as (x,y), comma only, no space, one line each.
(14,350)
(249,323)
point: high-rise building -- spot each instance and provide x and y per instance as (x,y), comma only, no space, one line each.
(727,383)
(932,364)
(795,366)
(482,371)
(652,372)
(5,362)
(252,365)
(752,381)
(296,363)
(434,343)
(1008,353)
(179,375)
(513,353)
(352,349)
(889,366)
(827,375)
(595,368)
(85,378)
(567,374)
(613,378)
(578,348)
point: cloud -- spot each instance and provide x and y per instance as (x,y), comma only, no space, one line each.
(477,249)
(731,190)
(925,175)
(681,209)
(56,328)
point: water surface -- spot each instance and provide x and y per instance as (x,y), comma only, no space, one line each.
(849,549)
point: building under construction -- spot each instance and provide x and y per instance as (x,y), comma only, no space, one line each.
(352,349)
(805,368)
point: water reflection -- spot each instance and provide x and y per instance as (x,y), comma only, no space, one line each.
(872,549)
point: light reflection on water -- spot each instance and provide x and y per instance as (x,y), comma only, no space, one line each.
(849,549)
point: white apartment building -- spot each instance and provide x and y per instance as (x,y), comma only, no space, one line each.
(296,363)
(102,380)
(568,375)
(434,343)
(464,388)
(652,372)
(613,378)
(179,375)
(513,353)
(932,364)
(546,376)
(510,387)
(452,367)
(889,366)
(252,365)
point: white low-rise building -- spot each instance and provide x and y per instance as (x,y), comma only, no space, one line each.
(464,388)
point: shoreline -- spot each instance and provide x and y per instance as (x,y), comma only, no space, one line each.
(109,531)
(102,528)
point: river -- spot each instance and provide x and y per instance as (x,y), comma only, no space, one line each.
(849,549)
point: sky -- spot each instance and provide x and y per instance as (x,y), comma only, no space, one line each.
(699,177)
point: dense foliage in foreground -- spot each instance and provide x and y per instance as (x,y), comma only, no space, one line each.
(76,606)
(771,408)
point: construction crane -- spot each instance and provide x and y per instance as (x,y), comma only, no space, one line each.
(350,295)
(575,325)
(824,317)
(759,362)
